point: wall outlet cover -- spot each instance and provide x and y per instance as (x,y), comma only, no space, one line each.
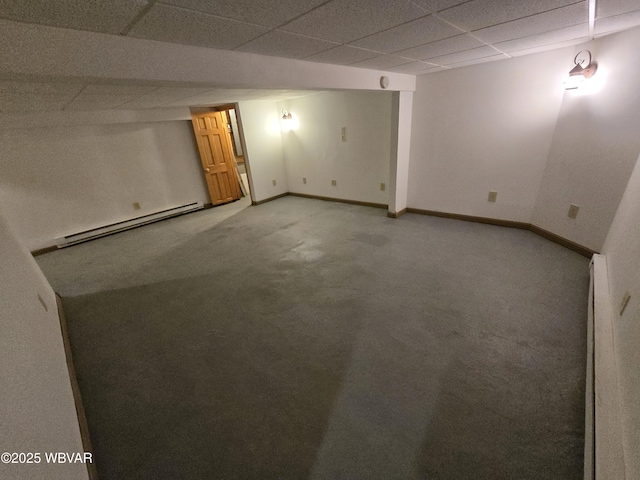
(493,196)
(382,187)
(136,205)
(304,180)
(573,211)
(333,183)
(274,183)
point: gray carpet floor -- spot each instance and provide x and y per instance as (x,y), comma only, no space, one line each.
(307,339)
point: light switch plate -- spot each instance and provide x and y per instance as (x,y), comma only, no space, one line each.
(274,183)
(382,187)
(333,183)
(304,180)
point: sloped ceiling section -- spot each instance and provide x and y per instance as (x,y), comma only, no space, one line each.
(403,36)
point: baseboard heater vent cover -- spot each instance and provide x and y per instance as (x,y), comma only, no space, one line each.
(87,235)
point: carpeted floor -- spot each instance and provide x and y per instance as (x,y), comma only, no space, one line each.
(308,339)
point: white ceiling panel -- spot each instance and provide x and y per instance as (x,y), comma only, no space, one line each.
(104,16)
(416,68)
(127,90)
(610,8)
(547,38)
(66,89)
(552,46)
(284,44)
(382,62)
(162,96)
(484,13)
(476,61)
(417,32)
(32,102)
(442,47)
(343,55)
(437,5)
(209,97)
(177,25)
(544,22)
(465,56)
(270,13)
(97,102)
(617,23)
(344,21)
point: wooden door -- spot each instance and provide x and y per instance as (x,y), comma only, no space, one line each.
(216,157)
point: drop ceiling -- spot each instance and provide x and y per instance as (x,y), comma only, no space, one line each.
(404,36)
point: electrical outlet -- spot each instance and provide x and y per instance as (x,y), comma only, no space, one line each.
(493,196)
(344,134)
(333,183)
(304,180)
(573,211)
(382,187)
(625,300)
(274,183)
(136,205)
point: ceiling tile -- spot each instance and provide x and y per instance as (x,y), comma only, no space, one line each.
(176,25)
(382,62)
(476,61)
(547,38)
(617,23)
(544,22)
(483,13)
(437,5)
(67,89)
(270,13)
(472,54)
(284,44)
(342,55)
(162,96)
(610,8)
(31,102)
(209,97)
(442,47)
(344,21)
(97,102)
(418,32)
(104,16)
(130,90)
(415,68)
(552,46)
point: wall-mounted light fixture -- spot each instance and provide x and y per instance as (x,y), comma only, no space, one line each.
(286,115)
(584,68)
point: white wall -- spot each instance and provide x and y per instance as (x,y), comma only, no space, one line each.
(485,127)
(62,180)
(595,145)
(314,149)
(260,122)
(622,251)
(38,412)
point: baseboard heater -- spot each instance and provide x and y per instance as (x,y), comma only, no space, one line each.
(98,232)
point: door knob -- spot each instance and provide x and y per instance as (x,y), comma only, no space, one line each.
(206,169)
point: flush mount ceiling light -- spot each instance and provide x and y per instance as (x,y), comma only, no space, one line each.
(584,69)
(286,115)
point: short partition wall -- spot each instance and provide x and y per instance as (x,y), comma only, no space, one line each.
(604,452)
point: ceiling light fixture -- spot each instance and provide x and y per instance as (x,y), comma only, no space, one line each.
(286,115)
(584,69)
